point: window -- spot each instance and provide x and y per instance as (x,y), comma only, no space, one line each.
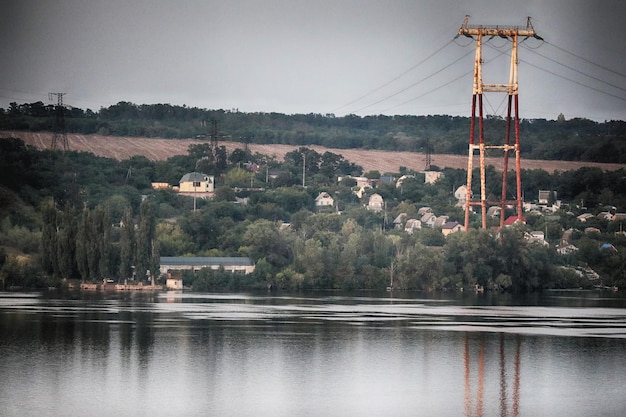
(196,184)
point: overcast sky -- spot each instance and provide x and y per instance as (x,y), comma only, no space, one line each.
(312,56)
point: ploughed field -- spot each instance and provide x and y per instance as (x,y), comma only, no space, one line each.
(120,148)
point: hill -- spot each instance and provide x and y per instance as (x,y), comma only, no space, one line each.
(121,148)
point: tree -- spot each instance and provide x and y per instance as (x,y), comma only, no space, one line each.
(127,245)
(147,260)
(66,242)
(82,245)
(49,240)
(262,239)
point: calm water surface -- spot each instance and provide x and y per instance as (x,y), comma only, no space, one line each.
(179,354)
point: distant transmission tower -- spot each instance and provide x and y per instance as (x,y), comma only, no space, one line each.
(429,154)
(510,88)
(215,136)
(59,133)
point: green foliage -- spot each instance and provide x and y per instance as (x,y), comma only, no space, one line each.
(43,191)
(19,237)
(575,139)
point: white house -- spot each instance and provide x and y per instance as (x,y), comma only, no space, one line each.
(461,193)
(196,183)
(412,225)
(324,200)
(375,202)
(431,177)
(565,248)
(174,280)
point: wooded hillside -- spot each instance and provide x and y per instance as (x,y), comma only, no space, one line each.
(564,140)
(158,149)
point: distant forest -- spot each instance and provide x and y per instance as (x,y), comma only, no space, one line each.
(572,140)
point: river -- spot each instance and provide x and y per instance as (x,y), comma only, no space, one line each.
(318,354)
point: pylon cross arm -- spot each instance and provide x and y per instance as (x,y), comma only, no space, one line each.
(497,31)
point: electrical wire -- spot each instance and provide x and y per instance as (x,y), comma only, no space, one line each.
(442,85)
(586,60)
(414,84)
(395,78)
(577,71)
(573,81)
(430,91)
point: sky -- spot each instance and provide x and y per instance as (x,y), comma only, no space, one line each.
(363,57)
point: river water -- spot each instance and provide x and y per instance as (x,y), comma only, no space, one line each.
(183,354)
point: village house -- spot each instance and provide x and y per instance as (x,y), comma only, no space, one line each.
(160,185)
(536,236)
(544,196)
(461,193)
(513,220)
(431,177)
(399,220)
(565,248)
(440,221)
(412,225)
(362,183)
(375,202)
(401,180)
(451,227)
(428,219)
(174,280)
(423,210)
(494,211)
(324,200)
(197,184)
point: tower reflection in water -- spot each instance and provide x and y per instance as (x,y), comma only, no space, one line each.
(475,385)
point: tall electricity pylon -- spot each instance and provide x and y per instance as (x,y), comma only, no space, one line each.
(511,88)
(59,126)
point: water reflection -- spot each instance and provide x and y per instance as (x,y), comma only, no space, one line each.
(475,385)
(238,355)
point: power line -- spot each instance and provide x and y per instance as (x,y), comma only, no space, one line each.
(573,81)
(429,91)
(441,85)
(395,78)
(414,84)
(576,70)
(586,60)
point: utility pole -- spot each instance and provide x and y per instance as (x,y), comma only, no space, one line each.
(303,169)
(59,133)
(511,88)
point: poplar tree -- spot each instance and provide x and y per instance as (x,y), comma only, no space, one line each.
(66,242)
(93,243)
(127,244)
(82,245)
(103,226)
(49,240)
(146,252)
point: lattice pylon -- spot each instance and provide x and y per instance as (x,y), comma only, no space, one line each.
(511,89)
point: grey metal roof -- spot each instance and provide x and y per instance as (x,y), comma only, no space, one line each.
(194,176)
(205,261)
